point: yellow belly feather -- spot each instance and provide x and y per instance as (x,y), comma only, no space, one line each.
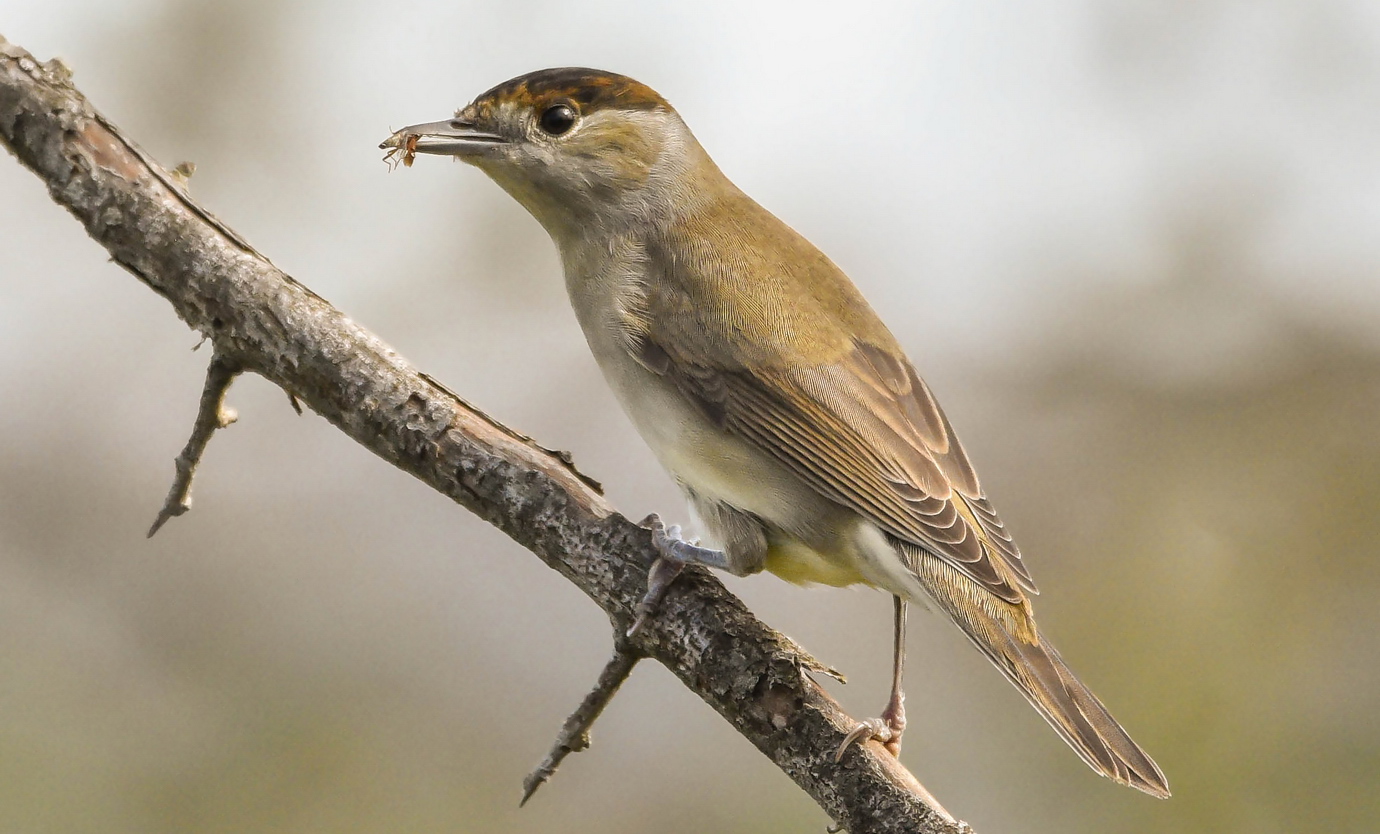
(795,562)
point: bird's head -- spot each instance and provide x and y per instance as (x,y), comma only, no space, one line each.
(575,146)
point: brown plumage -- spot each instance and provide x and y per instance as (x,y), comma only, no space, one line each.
(766,385)
(861,427)
(589,88)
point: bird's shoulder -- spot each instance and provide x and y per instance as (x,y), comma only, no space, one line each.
(743,289)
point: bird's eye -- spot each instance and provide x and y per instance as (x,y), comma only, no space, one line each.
(557,119)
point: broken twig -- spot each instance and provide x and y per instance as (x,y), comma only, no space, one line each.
(211,415)
(574,734)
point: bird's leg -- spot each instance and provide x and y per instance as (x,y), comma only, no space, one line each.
(895,713)
(674,554)
(888,728)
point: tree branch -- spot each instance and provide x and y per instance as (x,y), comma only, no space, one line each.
(574,735)
(259,319)
(211,415)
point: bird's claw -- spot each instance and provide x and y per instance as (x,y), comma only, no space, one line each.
(663,572)
(675,553)
(873,729)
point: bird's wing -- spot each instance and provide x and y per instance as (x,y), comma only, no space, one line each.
(863,429)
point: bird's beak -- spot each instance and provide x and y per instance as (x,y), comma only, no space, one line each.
(453,137)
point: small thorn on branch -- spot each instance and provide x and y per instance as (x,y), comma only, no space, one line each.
(211,415)
(183,173)
(574,735)
(809,663)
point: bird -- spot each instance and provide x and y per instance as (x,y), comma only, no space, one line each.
(790,417)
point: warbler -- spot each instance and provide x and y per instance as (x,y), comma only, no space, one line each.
(802,437)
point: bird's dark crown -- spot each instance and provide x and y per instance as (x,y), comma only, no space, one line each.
(590,89)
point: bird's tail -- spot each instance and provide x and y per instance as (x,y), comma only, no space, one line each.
(1006,633)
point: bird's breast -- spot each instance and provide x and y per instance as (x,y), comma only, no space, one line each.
(698,453)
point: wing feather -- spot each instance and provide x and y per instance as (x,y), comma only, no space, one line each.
(865,453)
(860,427)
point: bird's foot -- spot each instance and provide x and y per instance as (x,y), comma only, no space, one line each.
(887,729)
(674,554)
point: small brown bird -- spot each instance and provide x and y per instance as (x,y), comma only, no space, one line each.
(802,437)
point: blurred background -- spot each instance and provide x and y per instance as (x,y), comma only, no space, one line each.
(1131,245)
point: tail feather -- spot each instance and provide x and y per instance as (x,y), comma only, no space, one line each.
(1006,633)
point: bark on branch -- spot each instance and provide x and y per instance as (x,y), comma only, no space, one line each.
(261,320)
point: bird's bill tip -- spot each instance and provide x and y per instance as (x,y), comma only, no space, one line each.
(449,138)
